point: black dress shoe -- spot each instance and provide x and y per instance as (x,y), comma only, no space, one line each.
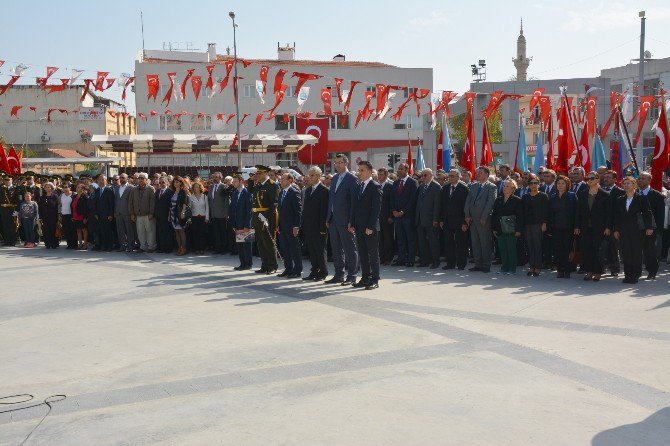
(372,286)
(474,268)
(614,274)
(435,265)
(348,282)
(238,268)
(271,271)
(284,274)
(651,277)
(294,276)
(448,267)
(337,280)
(320,277)
(361,284)
(410,264)
(310,277)
(261,271)
(246,268)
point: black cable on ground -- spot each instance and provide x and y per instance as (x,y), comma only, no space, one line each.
(26,398)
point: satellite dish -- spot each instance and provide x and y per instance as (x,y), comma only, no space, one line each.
(647,54)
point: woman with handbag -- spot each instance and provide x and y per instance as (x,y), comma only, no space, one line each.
(80,216)
(48,210)
(180,213)
(507,221)
(200,209)
(535,214)
(632,221)
(562,225)
(593,225)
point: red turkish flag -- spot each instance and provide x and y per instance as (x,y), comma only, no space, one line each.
(468,157)
(398,114)
(382,94)
(317,153)
(338,88)
(279,96)
(566,144)
(99,79)
(245,63)
(168,95)
(410,162)
(153,86)
(545,109)
(447,97)
(582,158)
(615,100)
(659,163)
(230,117)
(42,81)
(549,164)
(352,85)
(11,82)
(591,114)
(535,98)
(327,97)
(61,87)
(142,116)
(189,73)
(420,94)
(129,81)
(15,110)
(244,116)
(229,66)
(264,77)
(210,81)
(4,164)
(487,152)
(302,78)
(469,102)
(279,78)
(259,117)
(494,103)
(367,111)
(14,162)
(645,106)
(196,85)
(219,116)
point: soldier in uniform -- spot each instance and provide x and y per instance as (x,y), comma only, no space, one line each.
(8,208)
(264,217)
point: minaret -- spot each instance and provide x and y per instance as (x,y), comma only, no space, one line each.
(521,62)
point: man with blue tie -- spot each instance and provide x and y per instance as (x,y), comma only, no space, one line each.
(341,198)
(290,214)
(403,207)
(365,226)
(104,213)
(240,217)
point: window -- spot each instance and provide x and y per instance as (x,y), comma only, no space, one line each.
(290,92)
(249,91)
(407,91)
(281,125)
(409,122)
(201,122)
(337,122)
(373,89)
(170,122)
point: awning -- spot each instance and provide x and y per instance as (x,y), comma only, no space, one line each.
(61,161)
(190,143)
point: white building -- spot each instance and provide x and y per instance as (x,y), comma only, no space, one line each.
(371,140)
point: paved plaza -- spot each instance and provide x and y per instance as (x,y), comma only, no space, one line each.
(153,349)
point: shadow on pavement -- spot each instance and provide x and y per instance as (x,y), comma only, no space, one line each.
(652,431)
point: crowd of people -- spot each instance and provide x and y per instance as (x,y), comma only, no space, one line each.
(582,222)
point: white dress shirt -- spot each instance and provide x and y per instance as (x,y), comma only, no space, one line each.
(199,206)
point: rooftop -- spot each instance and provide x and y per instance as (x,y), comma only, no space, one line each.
(221,59)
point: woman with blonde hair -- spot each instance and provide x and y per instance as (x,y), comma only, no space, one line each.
(200,217)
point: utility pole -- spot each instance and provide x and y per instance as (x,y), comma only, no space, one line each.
(237,101)
(640,91)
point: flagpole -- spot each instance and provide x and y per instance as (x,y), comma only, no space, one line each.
(630,146)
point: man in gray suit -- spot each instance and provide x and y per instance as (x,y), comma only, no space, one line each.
(125,228)
(219,196)
(343,190)
(478,208)
(427,219)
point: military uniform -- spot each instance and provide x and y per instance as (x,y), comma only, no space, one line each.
(265,199)
(8,205)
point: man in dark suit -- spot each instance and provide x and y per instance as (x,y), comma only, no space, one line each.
(652,243)
(340,202)
(103,198)
(427,220)
(403,205)
(454,195)
(478,209)
(365,225)
(504,172)
(290,214)
(218,196)
(313,226)
(240,219)
(609,186)
(578,184)
(385,219)
(164,230)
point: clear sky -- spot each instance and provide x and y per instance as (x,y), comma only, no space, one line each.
(566,38)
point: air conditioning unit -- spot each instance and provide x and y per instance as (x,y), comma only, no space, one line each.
(46,137)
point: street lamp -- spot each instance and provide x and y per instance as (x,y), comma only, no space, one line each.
(478,71)
(231,14)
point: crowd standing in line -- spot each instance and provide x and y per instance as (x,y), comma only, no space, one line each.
(579,221)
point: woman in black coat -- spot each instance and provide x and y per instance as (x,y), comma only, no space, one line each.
(562,224)
(632,221)
(507,205)
(535,215)
(593,224)
(48,211)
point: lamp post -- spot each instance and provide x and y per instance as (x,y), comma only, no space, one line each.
(640,89)
(237,105)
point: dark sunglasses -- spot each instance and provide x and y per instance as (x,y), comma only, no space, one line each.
(534,182)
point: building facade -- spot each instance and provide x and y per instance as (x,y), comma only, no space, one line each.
(370,140)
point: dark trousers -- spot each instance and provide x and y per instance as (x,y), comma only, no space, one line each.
(368,253)
(404,233)
(316,249)
(218,234)
(631,252)
(650,253)
(507,250)
(265,242)
(8,225)
(344,251)
(105,233)
(613,255)
(164,235)
(533,237)
(456,247)
(590,246)
(29,229)
(244,252)
(49,231)
(290,252)
(547,250)
(68,231)
(386,241)
(562,241)
(429,239)
(199,233)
